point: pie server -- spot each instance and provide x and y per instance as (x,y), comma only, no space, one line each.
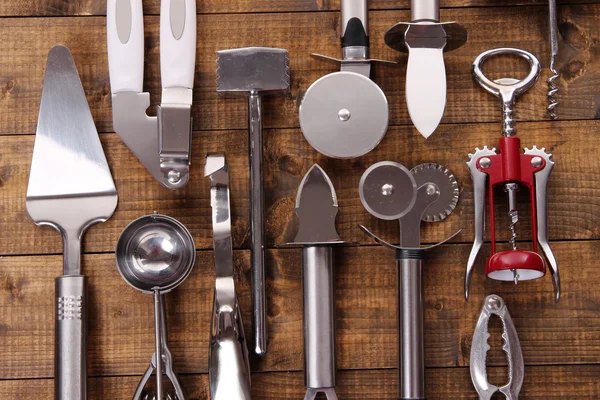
(70,188)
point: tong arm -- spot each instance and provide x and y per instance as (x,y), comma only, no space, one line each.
(229,367)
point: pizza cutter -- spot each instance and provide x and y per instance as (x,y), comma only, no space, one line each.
(345,114)
(428,192)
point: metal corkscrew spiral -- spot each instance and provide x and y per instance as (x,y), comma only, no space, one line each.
(552,81)
(511,189)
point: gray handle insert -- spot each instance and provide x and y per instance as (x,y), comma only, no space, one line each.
(71,338)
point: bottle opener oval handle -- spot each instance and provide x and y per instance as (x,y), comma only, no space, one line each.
(506,88)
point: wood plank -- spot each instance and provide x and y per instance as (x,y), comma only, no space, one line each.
(21,67)
(541,382)
(84,8)
(121,319)
(574,197)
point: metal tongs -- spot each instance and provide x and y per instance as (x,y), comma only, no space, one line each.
(161,143)
(229,366)
(494,305)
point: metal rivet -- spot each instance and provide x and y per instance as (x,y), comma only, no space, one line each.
(536,162)
(387,189)
(344,115)
(174,176)
(493,303)
(485,162)
(431,189)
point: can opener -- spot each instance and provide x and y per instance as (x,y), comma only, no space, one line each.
(161,143)
(429,192)
(511,169)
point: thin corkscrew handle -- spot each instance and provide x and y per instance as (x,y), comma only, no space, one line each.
(507,89)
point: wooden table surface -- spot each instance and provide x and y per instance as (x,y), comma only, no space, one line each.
(560,342)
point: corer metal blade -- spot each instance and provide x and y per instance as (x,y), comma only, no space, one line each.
(316,208)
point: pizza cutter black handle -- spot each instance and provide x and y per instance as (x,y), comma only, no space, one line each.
(355,26)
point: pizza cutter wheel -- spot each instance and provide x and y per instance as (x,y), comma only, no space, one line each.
(344,115)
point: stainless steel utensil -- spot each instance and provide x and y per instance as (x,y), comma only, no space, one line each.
(229,366)
(428,192)
(70,188)
(161,143)
(511,169)
(155,254)
(255,71)
(495,305)
(425,39)
(552,81)
(345,114)
(316,209)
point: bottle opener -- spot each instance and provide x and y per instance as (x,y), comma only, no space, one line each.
(345,114)
(511,169)
(161,143)
(428,192)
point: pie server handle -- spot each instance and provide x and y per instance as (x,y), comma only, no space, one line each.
(71,338)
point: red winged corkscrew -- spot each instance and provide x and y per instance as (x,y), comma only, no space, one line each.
(511,169)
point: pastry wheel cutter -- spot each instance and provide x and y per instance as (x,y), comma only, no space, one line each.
(428,192)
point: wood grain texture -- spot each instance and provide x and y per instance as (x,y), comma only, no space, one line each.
(120,318)
(65,8)
(574,197)
(542,382)
(21,69)
(561,342)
